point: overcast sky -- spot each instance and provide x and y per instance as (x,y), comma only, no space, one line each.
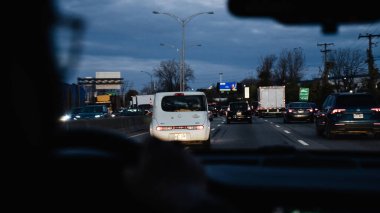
(125,36)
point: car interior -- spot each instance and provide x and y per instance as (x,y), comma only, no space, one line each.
(52,169)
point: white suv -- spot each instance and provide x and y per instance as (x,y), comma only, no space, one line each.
(181,116)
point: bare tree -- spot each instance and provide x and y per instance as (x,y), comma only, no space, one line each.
(265,70)
(348,63)
(168,75)
(289,66)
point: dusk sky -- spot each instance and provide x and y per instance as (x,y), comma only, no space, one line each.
(125,36)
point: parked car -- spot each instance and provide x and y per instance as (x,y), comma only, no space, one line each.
(298,111)
(348,113)
(239,111)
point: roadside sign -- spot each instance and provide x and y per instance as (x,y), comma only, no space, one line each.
(304,94)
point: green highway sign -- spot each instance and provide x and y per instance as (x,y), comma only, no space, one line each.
(304,94)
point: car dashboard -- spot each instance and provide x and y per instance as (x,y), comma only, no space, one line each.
(298,181)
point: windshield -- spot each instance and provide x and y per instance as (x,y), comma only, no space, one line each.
(249,73)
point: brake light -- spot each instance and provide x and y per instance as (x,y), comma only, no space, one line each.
(290,110)
(228,109)
(164,128)
(310,110)
(335,111)
(179,94)
(168,128)
(198,127)
(376,109)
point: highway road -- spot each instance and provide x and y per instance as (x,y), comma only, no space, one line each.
(272,132)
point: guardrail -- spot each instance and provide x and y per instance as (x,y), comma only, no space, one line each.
(124,124)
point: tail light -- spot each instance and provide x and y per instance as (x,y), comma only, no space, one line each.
(310,110)
(376,109)
(179,94)
(197,127)
(336,111)
(290,110)
(164,128)
(228,109)
(168,128)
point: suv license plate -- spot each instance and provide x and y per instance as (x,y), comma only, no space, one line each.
(358,116)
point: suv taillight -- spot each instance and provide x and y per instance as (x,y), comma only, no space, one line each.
(377,109)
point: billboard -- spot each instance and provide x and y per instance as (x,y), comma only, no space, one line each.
(228,86)
(105,76)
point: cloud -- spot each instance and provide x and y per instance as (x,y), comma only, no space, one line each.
(125,35)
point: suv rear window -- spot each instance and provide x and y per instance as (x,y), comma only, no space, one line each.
(347,101)
(183,103)
(238,106)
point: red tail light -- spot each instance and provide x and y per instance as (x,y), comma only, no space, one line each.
(179,94)
(376,109)
(164,128)
(310,110)
(335,111)
(290,110)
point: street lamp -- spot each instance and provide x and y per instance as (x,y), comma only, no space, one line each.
(183,22)
(177,49)
(151,80)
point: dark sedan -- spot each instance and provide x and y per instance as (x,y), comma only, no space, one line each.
(298,111)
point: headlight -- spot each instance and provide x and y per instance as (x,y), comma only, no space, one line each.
(98,116)
(65,118)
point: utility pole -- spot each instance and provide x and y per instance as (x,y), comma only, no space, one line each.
(373,73)
(327,65)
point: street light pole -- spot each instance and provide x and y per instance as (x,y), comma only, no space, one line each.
(183,22)
(151,81)
(178,50)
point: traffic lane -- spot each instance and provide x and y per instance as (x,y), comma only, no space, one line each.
(341,142)
(247,136)
(294,139)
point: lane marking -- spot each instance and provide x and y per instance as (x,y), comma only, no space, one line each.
(266,120)
(303,142)
(138,135)
(277,126)
(213,129)
(286,131)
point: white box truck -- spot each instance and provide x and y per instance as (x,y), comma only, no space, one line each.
(271,100)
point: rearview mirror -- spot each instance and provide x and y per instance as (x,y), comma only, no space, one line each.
(327,13)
